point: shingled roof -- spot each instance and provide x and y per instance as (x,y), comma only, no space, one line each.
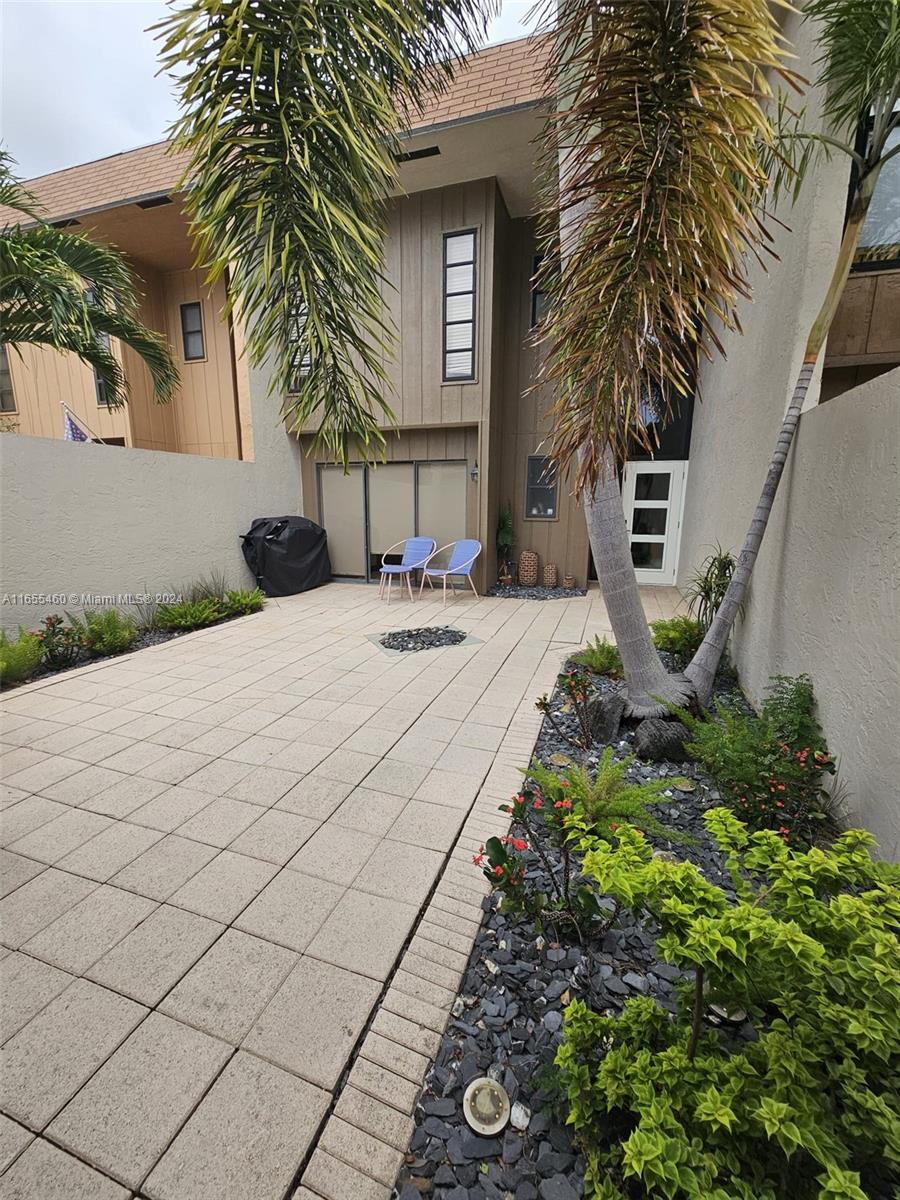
(500,77)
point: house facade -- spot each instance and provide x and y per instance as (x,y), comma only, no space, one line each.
(460,257)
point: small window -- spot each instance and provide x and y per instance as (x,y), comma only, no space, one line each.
(459,306)
(7,397)
(538,295)
(541,489)
(103,398)
(192,332)
(296,329)
(879,240)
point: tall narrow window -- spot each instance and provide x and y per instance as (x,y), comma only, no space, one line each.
(7,398)
(192,332)
(459,306)
(103,399)
(541,489)
(538,294)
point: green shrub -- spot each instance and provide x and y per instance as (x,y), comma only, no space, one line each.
(19,657)
(238,603)
(678,636)
(189,614)
(708,585)
(601,657)
(807,1109)
(106,631)
(771,767)
(61,643)
(600,804)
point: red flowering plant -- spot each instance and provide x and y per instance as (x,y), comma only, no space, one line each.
(770,767)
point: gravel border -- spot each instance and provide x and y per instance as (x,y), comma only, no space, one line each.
(507,1018)
(517,592)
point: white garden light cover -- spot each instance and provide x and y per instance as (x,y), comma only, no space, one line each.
(486,1105)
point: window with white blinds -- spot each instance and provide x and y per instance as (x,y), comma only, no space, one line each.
(459,306)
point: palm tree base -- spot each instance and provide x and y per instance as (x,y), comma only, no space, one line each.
(675,689)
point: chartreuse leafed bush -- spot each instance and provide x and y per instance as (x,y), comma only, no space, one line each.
(678,636)
(809,1109)
(770,767)
(106,631)
(19,656)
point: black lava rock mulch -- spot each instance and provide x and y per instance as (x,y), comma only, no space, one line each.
(427,638)
(507,1019)
(515,592)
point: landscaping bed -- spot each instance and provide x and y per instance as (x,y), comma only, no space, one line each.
(508,1016)
(527,966)
(427,637)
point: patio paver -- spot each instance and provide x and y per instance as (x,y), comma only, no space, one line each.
(243,840)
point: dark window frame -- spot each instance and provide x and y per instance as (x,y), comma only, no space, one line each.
(537,293)
(185,333)
(103,401)
(553,483)
(861,145)
(470,378)
(9,389)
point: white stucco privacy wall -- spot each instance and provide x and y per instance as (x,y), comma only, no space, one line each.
(79,518)
(823,598)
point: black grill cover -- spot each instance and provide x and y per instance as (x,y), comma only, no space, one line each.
(287,554)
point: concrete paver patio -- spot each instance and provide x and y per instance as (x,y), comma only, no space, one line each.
(237,896)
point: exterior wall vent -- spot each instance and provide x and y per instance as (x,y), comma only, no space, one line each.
(154,202)
(412,155)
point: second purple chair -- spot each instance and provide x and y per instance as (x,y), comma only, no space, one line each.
(462,559)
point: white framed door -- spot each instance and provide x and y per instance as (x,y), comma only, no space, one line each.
(653,499)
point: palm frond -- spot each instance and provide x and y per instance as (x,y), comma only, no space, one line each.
(652,212)
(64,291)
(290,113)
(859,64)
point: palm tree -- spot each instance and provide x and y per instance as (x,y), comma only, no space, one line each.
(291,111)
(64,291)
(860,77)
(659,138)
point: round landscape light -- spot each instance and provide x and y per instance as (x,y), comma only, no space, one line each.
(486,1105)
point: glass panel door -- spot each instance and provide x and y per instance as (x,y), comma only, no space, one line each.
(441,500)
(652,496)
(342,505)
(392,509)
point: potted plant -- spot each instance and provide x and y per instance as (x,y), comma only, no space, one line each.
(506,544)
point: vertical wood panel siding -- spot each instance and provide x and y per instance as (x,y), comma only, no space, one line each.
(524,425)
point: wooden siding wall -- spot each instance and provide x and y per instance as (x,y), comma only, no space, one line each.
(152,423)
(866,327)
(562,541)
(201,419)
(41,378)
(205,411)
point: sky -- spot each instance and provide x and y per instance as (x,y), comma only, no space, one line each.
(79,78)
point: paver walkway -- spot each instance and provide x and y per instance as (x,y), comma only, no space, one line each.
(216,852)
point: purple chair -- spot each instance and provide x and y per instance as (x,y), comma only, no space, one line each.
(416,553)
(462,558)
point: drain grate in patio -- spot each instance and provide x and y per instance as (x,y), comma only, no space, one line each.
(426,638)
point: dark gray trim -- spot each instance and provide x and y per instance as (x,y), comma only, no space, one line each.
(453,233)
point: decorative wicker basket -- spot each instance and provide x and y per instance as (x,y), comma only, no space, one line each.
(551,575)
(528,568)
(569,583)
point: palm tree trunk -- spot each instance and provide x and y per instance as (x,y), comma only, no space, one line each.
(646,680)
(701,671)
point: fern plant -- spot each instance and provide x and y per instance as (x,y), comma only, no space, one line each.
(239,602)
(601,657)
(601,803)
(679,636)
(19,657)
(188,614)
(105,632)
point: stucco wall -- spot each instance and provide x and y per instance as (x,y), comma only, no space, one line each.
(823,597)
(83,518)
